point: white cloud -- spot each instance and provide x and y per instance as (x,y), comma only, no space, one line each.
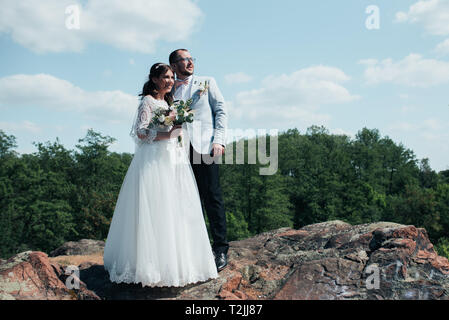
(239,77)
(25,125)
(443,47)
(433,124)
(427,138)
(43,90)
(340,131)
(107,73)
(232,111)
(408,109)
(403,126)
(426,126)
(432,14)
(440,139)
(413,71)
(368,62)
(134,25)
(290,100)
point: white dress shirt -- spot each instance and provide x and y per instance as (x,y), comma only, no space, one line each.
(183,91)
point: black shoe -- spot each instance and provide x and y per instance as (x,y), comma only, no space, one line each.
(221,261)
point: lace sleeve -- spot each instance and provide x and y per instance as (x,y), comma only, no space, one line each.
(144,115)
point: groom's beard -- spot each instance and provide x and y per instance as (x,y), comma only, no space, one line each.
(186,73)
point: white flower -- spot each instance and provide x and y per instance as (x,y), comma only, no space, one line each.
(161,118)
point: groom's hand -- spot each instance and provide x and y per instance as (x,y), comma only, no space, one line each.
(217,150)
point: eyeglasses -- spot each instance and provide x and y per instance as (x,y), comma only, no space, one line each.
(187,59)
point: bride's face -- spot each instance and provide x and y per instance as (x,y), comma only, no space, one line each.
(165,82)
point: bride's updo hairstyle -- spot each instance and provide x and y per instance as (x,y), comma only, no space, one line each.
(149,88)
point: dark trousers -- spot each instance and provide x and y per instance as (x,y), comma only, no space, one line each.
(207,179)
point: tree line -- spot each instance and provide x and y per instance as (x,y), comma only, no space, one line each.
(56,195)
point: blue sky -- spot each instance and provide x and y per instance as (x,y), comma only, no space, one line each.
(279,64)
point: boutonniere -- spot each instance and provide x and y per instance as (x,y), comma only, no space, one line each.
(203,87)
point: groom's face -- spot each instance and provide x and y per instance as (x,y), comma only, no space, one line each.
(184,65)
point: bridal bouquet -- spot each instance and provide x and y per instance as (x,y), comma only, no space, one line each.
(177,113)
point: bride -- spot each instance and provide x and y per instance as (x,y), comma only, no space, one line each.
(157,235)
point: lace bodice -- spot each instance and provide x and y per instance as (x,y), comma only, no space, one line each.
(141,132)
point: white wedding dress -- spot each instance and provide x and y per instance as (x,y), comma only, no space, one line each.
(157,235)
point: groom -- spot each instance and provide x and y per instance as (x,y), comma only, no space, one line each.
(207,137)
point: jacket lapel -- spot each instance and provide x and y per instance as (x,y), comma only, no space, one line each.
(194,86)
(194,89)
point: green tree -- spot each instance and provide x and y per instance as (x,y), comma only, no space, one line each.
(237,226)
(55,195)
(416,207)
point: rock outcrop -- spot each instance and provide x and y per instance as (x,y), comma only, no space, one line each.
(81,247)
(31,275)
(330,260)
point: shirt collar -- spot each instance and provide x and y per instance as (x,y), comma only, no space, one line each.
(189,79)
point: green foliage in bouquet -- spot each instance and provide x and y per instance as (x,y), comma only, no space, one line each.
(184,112)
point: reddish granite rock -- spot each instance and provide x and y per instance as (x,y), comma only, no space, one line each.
(330,260)
(31,276)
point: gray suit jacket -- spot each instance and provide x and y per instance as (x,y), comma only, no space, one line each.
(210,118)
